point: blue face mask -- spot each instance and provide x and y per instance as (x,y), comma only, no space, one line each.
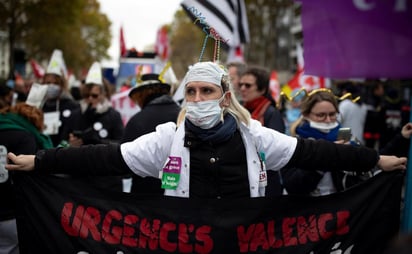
(292,114)
(53,91)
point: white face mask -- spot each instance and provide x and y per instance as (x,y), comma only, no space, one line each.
(204,114)
(53,91)
(324,127)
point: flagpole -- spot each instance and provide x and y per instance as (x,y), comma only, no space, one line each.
(407,216)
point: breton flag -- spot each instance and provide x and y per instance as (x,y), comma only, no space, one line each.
(228,18)
(235,54)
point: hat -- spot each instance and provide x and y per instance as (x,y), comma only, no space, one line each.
(94,76)
(57,65)
(206,72)
(147,80)
(37,95)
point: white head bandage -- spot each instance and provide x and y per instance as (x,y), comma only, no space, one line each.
(206,72)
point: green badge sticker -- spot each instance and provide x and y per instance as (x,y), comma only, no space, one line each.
(171,173)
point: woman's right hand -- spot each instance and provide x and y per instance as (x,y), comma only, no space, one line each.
(20,162)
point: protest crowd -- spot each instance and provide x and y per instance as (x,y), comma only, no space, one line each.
(231,137)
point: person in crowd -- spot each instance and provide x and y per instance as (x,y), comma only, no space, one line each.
(254,88)
(291,107)
(399,144)
(60,108)
(393,113)
(6,95)
(21,87)
(235,70)
(375,118)
(352,110)
(216,150)
(21,128)
(126,85)
(157,107)
(318,122)
(98,122)
(75,89)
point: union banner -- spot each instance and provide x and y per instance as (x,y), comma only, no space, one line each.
(66,215)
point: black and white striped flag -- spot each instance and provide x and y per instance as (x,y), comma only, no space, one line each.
(227,17)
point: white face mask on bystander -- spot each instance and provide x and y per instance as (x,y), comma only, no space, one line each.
(53,91)
(324,127)
(204,114)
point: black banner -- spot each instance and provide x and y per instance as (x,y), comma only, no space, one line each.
(66,215)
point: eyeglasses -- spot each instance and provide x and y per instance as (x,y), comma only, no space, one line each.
(93,95)
(247,85)
(323,116)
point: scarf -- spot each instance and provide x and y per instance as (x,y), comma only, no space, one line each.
(218,134)
(258,107)
(11,121)
(305,131)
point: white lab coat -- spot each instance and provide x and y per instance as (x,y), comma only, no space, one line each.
(147,155)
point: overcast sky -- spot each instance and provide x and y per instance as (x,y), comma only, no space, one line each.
(140,20)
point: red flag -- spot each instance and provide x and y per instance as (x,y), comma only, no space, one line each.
(162,43)
(274,85)
(123,49)
(38,71)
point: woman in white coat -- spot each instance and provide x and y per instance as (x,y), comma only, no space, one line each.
(214,151)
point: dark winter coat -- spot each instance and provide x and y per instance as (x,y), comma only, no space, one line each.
(68,109)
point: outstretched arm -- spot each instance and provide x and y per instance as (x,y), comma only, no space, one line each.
(321,154)
(85,160)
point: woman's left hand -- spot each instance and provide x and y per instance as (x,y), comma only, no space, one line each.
(390,162)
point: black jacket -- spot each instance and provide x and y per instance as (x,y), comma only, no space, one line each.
(107,159)
(99,126)
(18,142)
(69,109)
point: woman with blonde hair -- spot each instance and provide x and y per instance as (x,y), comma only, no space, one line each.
(319,121)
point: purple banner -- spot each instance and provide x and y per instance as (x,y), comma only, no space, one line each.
(357,38)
